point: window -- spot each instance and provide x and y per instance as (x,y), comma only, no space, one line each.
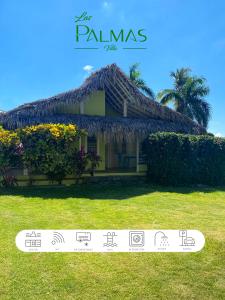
(92,144)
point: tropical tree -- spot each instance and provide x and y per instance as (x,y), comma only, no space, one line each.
(188,96)
(134,75)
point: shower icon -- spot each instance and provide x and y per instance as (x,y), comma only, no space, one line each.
(160,239)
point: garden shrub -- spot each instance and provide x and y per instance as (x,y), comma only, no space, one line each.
(10,155)
(49,149)
(185,159)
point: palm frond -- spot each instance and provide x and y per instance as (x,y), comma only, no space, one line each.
(134,72)
(148,91)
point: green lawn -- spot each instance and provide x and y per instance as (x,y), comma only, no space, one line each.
(113,275)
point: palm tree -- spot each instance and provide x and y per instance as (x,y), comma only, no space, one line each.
(188,96)
(139,82)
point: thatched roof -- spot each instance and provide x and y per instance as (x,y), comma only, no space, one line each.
(144,115)
(115,127)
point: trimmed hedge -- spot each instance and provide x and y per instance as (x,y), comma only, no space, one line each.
(180,159)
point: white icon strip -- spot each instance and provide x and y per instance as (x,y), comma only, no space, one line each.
(34,240)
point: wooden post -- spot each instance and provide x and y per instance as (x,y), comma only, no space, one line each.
(85,143)
(98,143)
(137,154)
(125,108)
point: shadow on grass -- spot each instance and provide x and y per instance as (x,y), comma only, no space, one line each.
(101,191)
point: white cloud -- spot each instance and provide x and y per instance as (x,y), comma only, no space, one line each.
(218,134)
(106,5)
(88,68)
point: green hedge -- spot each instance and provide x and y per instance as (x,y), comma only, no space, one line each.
(180,159)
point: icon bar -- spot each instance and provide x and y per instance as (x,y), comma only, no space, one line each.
(34,240)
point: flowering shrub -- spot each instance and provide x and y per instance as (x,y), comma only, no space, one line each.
(10,155)
(49,149)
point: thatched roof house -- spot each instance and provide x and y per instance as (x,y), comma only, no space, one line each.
(106,104)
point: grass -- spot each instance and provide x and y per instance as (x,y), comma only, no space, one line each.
(113,275)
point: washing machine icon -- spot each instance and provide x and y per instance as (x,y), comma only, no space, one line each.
(136,238)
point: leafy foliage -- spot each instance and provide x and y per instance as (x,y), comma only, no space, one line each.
(188,96)
(185,159)
(80,162)
(139,82)
(10,155)
(49,148)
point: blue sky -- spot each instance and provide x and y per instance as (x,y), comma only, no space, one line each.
(38,59)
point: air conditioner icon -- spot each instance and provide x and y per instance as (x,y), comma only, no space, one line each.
(83,236)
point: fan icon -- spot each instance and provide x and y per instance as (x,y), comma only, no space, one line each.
(57,238)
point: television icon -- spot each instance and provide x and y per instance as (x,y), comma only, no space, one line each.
(83,237)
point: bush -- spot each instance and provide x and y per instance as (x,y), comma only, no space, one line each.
(49,149)
(185,159)
(10,155)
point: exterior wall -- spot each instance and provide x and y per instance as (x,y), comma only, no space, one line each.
(94,105)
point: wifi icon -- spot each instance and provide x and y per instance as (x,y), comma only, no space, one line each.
(57,238)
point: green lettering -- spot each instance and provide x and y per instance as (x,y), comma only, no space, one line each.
(92,35)
(116,38)
(132,35)
(142,35)
(101,38)
(78,33)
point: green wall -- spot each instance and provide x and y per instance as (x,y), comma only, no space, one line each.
(94,104)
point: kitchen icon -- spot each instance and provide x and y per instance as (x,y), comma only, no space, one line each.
(160,239)
(33,239)
(110,236)
(83,237)
(136,238)
(186,240)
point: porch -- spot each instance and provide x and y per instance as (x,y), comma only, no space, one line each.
(117,157)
